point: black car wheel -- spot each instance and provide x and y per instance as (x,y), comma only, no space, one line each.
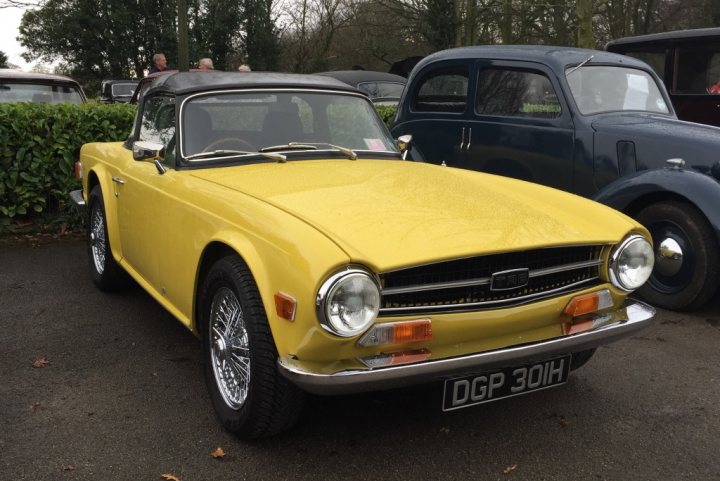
(249,395)
(686,272)
(106,273)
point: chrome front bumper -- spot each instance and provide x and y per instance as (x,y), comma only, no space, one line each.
(634,316)
(76,196)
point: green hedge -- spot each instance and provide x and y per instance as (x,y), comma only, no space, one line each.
(387,112)
(39,143)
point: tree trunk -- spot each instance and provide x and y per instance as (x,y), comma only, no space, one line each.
(585,33)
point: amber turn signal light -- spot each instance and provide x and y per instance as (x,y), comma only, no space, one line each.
(397,333)
(285,306)
(78,168)
(589,303)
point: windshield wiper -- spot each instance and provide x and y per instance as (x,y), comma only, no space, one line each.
(227,153)
(579,65)
(313,145)
(289,146)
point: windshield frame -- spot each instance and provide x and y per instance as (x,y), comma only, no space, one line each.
(660,93)
(292,154)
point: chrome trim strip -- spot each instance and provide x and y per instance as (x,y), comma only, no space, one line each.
(602,248)
(485,304)
(481,281)
(626,320)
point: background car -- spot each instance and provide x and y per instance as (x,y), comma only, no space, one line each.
(589,122)
(18,86)
(688,62)
(382,88)
(121,91)
(273,215)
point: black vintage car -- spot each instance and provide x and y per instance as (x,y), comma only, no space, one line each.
(594,123)
(688,62)
(382,88)
(117,91)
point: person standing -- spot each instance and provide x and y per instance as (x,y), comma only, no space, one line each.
(159,63)
(205,64)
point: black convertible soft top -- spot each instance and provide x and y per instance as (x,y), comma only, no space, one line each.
(182,83)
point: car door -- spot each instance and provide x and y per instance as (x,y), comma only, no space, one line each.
(143,195)
(521,125)
(437,113)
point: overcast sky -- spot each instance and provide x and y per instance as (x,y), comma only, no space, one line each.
(9,23)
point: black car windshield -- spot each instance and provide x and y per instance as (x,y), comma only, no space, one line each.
(603,88)
(124,89)
(39,93)
(376,90)
(289,121)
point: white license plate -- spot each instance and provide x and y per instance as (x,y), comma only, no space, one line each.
(490,386)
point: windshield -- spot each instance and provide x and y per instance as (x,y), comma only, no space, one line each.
(601,88)
(243,123)
(377,90)
(123,89)
(39,93)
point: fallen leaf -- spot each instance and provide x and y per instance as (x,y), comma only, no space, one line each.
(563,422)
(68,467)
(35,406)
(170,477)
(218,453)
(38,363)
(445,430)
(510,469)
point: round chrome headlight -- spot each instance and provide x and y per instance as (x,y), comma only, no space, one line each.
(348,302)
(632,263)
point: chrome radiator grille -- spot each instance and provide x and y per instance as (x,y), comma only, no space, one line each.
(475,283)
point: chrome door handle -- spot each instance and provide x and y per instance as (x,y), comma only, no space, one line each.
(462,141)
(467,147)
(118,180)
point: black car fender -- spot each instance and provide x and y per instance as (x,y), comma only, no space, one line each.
(631,193)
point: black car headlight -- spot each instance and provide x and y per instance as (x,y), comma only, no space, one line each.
(631,263)
(348,302)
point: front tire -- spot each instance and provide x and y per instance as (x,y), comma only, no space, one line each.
(105,271)
(249,395)
(686,273)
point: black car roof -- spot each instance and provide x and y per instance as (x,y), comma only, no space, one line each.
(354,77)
(558,58)
(676,36)
(182,83)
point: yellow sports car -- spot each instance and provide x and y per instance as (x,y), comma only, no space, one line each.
(276,218)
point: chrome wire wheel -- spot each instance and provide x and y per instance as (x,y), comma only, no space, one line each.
(98,242)
(229,348)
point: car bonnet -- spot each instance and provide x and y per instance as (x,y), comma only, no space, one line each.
(395,213)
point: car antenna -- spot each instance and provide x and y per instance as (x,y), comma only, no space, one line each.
(579,65)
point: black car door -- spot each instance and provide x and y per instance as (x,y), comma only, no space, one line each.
(521,126)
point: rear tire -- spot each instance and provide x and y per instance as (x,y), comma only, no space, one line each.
(686,273)
(250,397)
(106,273)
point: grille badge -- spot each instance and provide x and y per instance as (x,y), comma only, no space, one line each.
(509,280)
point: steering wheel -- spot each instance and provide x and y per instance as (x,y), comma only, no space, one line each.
(230,143)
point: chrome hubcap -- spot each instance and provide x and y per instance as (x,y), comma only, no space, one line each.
(97,239)
(669,258)
(230,348)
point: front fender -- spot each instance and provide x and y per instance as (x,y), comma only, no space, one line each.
(632,192)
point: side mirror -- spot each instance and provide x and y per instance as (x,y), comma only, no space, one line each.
(146,150)
(403,143)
